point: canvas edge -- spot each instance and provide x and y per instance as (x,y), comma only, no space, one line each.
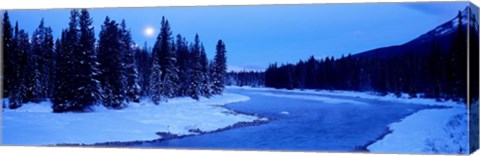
(472,139)
(472,86)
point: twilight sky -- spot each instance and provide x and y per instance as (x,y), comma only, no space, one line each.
(258,35)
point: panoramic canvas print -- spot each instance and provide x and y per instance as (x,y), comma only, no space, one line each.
(365,77)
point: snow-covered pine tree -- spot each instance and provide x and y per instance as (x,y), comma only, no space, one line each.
(205,75)
(56,61)
(30,72)
(132,87)
(155,80)
(175,78)
(60,97)
(49,56)
(87,87)
(36,62)
(211,74)
(70,48)
(219,68)
(41,61)
(21,48)
(195,73)
(143,61)
(66,84)
(7,55)
(163,48)
(24,72)
(183,64)
(112,69)
(457,64)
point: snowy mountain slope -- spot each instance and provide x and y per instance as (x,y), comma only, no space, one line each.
(441,34)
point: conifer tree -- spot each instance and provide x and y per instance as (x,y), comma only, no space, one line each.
(183,64)
(42,62)
(112,69)
(60,97)
(155,80)
(49,66)
(143,61)
(37,61)
(195,73)
(7,55)
(219,68)
(163,48)
(132,86)
(86,64)
(457,63)
(21,48)
(67,77)
(205,73)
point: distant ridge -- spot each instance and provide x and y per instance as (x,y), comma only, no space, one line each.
(421,45)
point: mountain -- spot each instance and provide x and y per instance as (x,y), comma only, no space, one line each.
(421,45)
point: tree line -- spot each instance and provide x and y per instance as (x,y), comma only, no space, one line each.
(245,78)
(435,73)
(434,70)
(77,71)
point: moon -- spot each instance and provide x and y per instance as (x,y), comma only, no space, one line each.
(149,31)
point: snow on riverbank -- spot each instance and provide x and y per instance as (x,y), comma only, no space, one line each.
(428,131)
(364,95)
(316,98)
(34,124)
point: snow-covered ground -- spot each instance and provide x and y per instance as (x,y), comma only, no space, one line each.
(427,131)
(35,124)
(322,99)
(364,95)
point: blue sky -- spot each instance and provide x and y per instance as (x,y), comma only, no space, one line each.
(258,35)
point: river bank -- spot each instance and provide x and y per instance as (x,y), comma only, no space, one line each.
(35,124)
